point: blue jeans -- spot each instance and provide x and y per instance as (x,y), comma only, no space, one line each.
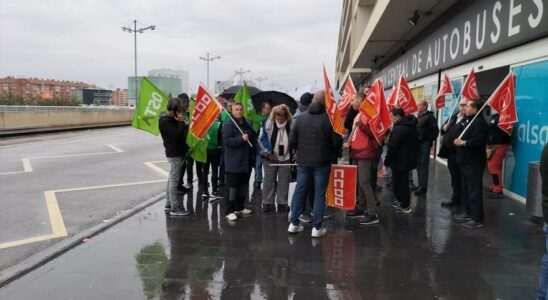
(258,167)
(305,177)
(543,277)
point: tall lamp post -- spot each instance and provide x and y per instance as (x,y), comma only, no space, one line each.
(261,79)
(241,73)
(209,58)
(134,30)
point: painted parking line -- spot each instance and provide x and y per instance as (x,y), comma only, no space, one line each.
(27,167)
(58,229)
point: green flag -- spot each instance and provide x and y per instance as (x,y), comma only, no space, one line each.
(250,114)
(152,102)
(197,148)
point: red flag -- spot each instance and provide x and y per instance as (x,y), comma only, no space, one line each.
(469,89)
(341,189)
(206,111)
(404,98)
(344,103)
(504,103)
(380,123)
(367,108)
(445,88)
(335,115)
(392,98)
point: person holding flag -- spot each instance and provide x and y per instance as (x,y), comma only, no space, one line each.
(239,159)
(471,160)
(173,129)
(363,152)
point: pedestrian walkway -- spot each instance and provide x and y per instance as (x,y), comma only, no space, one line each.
(425,255)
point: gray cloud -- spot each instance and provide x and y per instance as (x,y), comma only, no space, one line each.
(285,40)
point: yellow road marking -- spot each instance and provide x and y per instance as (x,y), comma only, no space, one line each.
(56,217)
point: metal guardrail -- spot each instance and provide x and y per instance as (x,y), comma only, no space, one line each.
(27,108)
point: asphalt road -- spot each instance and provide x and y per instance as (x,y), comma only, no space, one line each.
(53,186)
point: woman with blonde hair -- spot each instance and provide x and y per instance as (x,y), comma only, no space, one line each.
(274,145)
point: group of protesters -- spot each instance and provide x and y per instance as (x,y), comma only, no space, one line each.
(306,139)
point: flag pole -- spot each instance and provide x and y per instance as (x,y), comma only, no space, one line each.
(237,126)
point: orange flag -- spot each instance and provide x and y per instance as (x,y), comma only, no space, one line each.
(469,89)
(346,98)
(333,111)
(445,88)
(367,108)
(341,189)
(380,123)
(206,111)
(404,98)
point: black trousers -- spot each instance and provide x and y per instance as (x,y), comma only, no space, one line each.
(202,171)
(187,167)
(454,171)
(471,177)
(423,159)
(237,191)
(401,187)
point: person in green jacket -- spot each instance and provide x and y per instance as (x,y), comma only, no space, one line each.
(213,137)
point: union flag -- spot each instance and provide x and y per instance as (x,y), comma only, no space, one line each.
(404,98)
(206,111)
(333,111)
(503,101)
(469,89)
(346,98)
(445,88)
(380,122)
(392,98)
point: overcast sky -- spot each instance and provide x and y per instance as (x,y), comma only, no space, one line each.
(285,41)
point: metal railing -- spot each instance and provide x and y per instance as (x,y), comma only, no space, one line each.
(27,108)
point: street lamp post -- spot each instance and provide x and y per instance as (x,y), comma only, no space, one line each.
(209,58)
(241,73)
(261,79)
(134,30)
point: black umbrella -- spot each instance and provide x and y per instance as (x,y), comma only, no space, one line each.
(233,90)
(274,98)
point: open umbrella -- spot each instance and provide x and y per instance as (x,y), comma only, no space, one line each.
(274,98)
(312,88)
(231,91)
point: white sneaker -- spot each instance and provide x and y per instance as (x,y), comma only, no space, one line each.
(244,211)
(232,217)
(295,228)
(316,233)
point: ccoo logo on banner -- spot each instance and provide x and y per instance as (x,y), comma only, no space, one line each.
(341,190)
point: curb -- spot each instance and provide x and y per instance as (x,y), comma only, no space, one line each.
(21,132)
(41,258)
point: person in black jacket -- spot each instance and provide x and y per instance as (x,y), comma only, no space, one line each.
(401,155)
(498,142)
(173,128)
(471,160)
(239,158)
(450,131)
(543,277)
(427,129)
(317,145)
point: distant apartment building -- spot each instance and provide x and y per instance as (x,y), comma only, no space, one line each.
(169,81)
(92,96)
(119,97)
(45,88)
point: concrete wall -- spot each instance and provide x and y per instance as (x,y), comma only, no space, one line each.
(21,120)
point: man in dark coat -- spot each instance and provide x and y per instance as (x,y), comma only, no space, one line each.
(173,128)
(450,131)
(471,159)
(317,145)
(239,153)
(427,129)
(401,155)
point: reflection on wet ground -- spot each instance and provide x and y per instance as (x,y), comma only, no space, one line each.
(425,255)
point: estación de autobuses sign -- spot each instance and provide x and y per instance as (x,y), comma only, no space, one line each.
(482,28)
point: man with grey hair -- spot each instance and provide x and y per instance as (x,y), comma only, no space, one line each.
(427,128)
(316,145)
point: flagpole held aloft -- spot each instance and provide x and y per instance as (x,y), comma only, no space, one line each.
(237,126)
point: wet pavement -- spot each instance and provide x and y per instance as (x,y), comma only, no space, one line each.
(425,255)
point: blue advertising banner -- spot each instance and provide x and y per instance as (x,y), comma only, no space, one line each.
(531,131)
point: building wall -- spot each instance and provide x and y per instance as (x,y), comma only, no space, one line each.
(34,87)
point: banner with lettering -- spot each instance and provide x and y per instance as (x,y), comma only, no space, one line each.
(152,102)
(206,111)
(341,190)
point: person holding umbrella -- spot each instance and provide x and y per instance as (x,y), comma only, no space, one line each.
(238,158)
(274,147)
